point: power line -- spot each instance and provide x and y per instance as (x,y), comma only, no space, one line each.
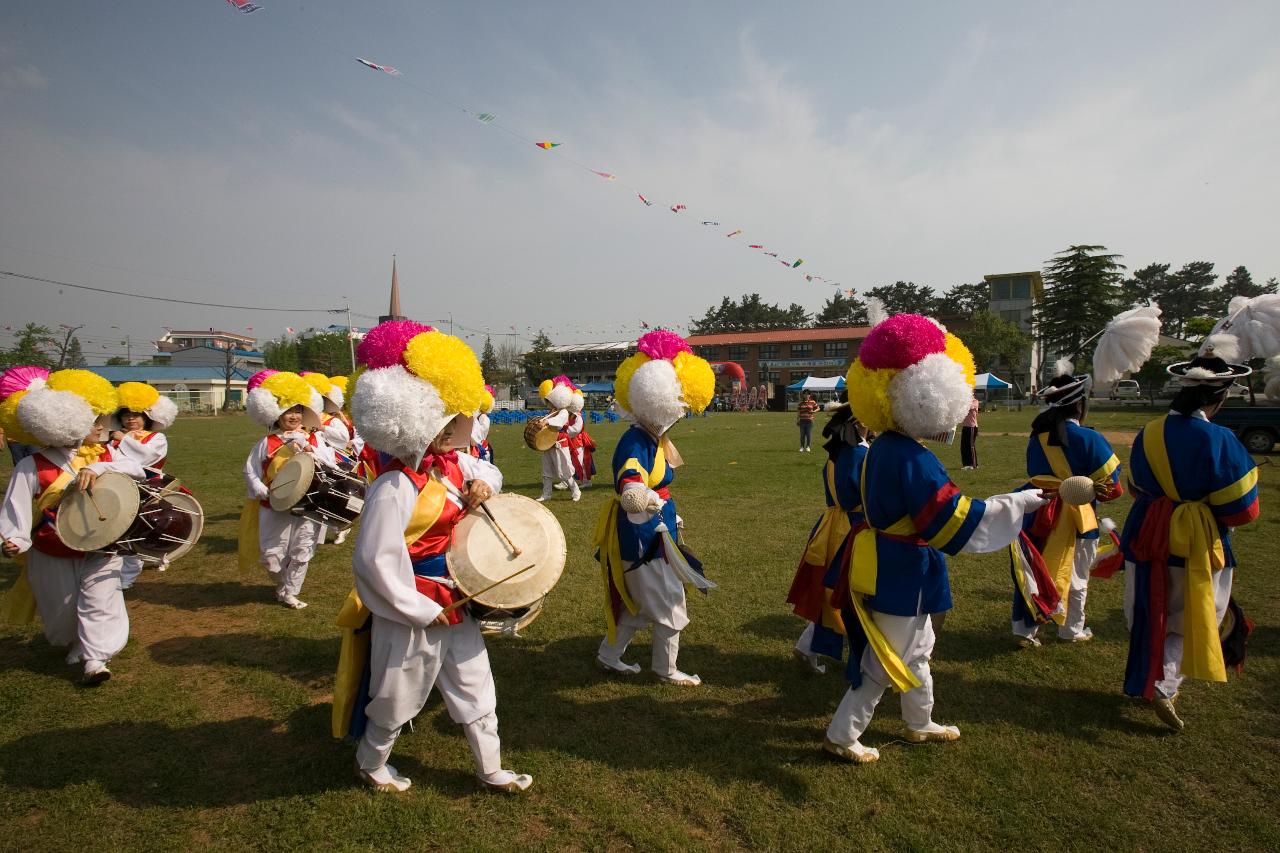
(159,298)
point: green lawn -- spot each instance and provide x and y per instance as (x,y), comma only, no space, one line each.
(215,730)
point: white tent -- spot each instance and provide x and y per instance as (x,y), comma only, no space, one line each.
(814,383)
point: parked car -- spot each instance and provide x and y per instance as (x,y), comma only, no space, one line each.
(1257,427)
(1125,388)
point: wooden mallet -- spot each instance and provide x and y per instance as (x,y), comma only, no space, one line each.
(514,550)
(460,602)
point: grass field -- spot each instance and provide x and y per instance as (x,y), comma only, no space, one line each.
(215,730)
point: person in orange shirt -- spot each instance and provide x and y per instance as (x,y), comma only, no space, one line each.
(804,419)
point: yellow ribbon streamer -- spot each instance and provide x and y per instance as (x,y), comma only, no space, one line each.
(605,538)
(352,657)
(247,550)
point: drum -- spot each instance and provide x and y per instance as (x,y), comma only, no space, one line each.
(480,555)
(291,482)
(324,495)
(156,520)
(168,525)
(538,436)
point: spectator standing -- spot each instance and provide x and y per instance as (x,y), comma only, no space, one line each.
(804,419)
(969,437)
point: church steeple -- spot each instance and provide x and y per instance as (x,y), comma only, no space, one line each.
(394,310)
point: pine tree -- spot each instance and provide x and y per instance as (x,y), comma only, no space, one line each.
(841,310)
(32,347)
(1150,284)
(965,300)
(1240,283)
(75,355)
(1082,293)
(1191,294)
(539,362)
(488,361)
(906,297)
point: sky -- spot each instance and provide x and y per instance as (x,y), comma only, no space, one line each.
(190,151)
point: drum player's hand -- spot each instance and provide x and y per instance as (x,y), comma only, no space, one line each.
(9,549)
(85,479)
(477,493)
(442,619)
(117,435)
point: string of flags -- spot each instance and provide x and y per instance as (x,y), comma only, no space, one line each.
(491,119)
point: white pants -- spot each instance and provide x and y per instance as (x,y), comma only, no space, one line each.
(1086,553)
(130,568)
(1167,686)
(406,663)
(660,601)
(287,543)
(557,464)
(912,638)
(80,602)
(804,645)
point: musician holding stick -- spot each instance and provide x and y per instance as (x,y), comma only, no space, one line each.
(77,595)
(414,402)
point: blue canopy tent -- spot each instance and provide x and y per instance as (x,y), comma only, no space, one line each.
(989,383)
(599,387)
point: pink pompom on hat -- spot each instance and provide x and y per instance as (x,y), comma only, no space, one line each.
(662,344)
(258,378)
(385,343)
(20,378)
(901,341)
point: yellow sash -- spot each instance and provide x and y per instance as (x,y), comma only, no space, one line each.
(1193,535)
(831,531)
(605,538)
(20,602)
(863,569)
(352,656)
(247,553)
(1073,519)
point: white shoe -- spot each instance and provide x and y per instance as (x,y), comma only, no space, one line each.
(75,656)
(933,733)
(507,782)
(585,485)
(680,679)
(290,600)
(560,487)
(342,536)
(854,753)
(1083,637)
(810,660)
(96,672)
(1029,642)
(576,495)
(384,780)
(617,667)
(543,497)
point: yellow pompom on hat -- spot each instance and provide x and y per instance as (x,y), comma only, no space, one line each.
(413,381)
(274,392)
(147,400)
(912,376)
(329,391)
(61,410)
(663,379)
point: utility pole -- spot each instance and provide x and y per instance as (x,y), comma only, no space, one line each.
(351,339)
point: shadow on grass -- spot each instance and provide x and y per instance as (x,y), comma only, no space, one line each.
(197,596)
(776,626)
(208,765)
(308,661)
(219,544)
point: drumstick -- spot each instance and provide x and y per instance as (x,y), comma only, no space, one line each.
(460,602)
(94,501)
(515,552)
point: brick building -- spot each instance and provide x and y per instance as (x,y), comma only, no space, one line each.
(782,356)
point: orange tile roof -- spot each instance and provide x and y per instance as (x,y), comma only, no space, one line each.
(830,333)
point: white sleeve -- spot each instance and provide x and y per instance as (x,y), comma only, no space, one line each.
(384,574)
(575,425)
(15,515)
(478,469)
(559,419)
(121,464)
(323,452)
(148,455)
(1002,521)
(257,489)
(335,432)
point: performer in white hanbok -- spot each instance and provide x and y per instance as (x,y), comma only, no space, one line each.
(284,543)
(480,447)
(402,637)
(557,463)
(138,433)
(77,595)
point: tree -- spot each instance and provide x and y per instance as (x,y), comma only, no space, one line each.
(1149,284)
(539,362)
(325,352)
(1191,294)
(1153,375)
(117,360)
(488,361)
(230,366)
(33,344)
(906,297)
(751,314)
(64,347)
(992,340)
(1198,328)
(1082,293)
(74,356)
(795,316)
(509,363)
(1239,282)
(841,310)
(281,354)
(965,300)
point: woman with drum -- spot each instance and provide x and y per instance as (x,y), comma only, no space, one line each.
(644,564)
(413,403)
(337,433)
(77,594)
(286,404)
(138,434)
(557,463)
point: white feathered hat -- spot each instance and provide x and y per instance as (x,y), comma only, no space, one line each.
(274,392)
(56,409)
(146,400)
(557,392)
(416,380)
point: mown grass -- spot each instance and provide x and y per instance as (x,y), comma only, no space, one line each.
(214,731)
